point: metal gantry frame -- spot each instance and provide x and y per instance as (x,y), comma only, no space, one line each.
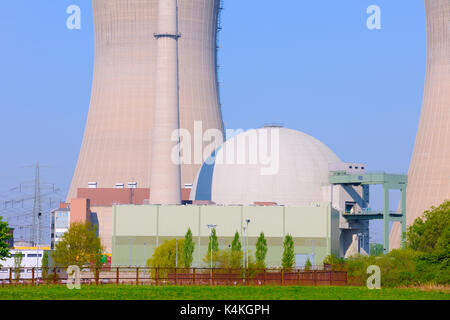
(389,182)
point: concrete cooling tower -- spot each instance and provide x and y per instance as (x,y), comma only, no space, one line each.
(429,172)
(140,49)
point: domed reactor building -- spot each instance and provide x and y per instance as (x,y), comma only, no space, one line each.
(155,72)
(429,172)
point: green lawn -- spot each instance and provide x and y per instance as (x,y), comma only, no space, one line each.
(124,292)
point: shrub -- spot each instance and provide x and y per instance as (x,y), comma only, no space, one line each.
(308,265)
(165,256)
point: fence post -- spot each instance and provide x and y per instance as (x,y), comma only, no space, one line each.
(137,275)
(117,275)
(315,277)
(193,278)
(156,275)
(54,275)
(299,274)
(282,277)
(331,278)
(97,275)
(246,276)
(32,276)
(10,275)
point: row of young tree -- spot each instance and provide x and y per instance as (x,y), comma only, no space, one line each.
(180,253)
(81,246)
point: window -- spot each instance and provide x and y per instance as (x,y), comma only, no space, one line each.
(59,234)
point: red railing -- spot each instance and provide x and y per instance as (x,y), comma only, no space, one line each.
(175,276)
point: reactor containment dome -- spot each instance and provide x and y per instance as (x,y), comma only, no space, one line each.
(266,165)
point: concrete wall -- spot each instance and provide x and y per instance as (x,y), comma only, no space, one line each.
(102,218)
(79,210)
(138,230)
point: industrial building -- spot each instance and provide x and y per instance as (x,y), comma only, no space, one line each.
(155,74)
(310,195)
(138,230)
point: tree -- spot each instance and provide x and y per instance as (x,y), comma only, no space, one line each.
(18,257)
(287,261)
(188,249)
(336,264)
(376,249)
(225,259)
(214,241)
(45,265)
(236,244)
(308,265)
(165,256)
(4,237)
(430,233)
(261,250)
(79,246)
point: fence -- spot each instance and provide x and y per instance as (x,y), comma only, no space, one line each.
(175,276)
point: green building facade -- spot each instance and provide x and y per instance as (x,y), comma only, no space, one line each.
(139,229)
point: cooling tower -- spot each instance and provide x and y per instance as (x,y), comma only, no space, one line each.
(118,139)
(429,172)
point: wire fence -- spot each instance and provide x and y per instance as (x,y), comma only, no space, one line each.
(174,276)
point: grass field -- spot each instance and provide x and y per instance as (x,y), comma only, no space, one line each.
(124,292)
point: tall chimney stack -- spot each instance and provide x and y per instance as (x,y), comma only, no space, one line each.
(165,178)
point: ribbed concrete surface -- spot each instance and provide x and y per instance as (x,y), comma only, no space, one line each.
(117,141)
(429,172)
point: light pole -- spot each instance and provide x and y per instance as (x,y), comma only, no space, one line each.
(248,221)
(130,240)
(360,235)
(244,250)
(212,227)
(145,260)
(37,247)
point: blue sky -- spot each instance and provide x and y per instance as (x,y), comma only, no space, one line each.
(311,65)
